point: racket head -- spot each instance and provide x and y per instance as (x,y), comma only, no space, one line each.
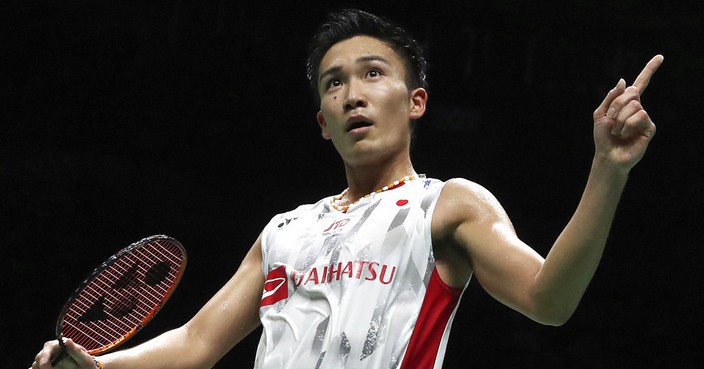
(122,294)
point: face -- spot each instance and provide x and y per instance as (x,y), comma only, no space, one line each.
(365,105)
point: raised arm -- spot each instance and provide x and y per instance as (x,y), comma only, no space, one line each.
(622,132)
(472,225)
(224,321)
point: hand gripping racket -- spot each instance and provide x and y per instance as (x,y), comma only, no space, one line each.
(121,295)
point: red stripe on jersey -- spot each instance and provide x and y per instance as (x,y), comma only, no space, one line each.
(438,305)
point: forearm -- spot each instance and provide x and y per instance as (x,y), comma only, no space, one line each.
(175,349)
(225,320)
(575,255)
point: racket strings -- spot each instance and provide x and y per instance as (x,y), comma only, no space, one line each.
(96,290)
(127,293)
(99,289)
(138,313)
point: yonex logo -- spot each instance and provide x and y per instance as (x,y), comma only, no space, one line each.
(286,222)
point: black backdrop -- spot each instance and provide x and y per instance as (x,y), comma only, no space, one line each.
(123,119)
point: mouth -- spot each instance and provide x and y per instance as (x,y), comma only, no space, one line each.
(357,122)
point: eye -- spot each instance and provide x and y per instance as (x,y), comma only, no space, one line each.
(373,73)
(333,82)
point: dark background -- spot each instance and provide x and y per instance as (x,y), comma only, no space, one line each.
(122,119)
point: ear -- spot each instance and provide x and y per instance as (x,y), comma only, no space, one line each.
(419,98)
(323,125)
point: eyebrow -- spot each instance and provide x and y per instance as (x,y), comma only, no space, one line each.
(365,58)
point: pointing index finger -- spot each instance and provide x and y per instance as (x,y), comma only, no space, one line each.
(643,78)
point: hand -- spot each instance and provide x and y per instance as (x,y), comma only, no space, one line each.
(622,128)
(77,356)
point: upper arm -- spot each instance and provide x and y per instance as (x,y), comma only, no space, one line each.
(233,312)
(471,220)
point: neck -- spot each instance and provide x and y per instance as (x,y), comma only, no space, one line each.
(363,179)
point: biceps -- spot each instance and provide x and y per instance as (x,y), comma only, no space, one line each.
(503,264)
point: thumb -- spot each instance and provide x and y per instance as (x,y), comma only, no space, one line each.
(79,354)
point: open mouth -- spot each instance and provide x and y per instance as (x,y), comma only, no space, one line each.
(358,124)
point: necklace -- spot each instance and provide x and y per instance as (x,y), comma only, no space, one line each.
(390,186)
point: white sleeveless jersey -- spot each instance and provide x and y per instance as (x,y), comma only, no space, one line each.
(355,289)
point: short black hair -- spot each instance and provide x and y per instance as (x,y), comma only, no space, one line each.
(347,23)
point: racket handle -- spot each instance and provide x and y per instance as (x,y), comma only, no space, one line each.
(62,354)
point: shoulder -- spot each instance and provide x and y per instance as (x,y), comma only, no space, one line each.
(303,209)
(460,194)
(461,202)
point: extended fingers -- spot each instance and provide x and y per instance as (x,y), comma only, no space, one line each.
(622,107)
(643,79)
(621,96)
(626,111)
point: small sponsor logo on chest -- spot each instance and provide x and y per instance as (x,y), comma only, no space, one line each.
(336,226)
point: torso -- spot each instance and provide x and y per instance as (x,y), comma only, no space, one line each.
(346,289)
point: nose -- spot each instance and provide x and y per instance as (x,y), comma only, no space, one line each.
(355,98)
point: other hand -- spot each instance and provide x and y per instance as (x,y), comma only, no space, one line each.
(77,357)
(622,127)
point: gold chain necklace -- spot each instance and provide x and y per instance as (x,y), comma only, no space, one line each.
(390,186)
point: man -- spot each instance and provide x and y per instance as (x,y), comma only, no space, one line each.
(371,277)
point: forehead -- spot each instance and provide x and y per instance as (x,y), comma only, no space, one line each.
(352,49)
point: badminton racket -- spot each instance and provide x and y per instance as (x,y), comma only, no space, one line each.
(121,295)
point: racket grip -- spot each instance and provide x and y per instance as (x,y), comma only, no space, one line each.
(62,354)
